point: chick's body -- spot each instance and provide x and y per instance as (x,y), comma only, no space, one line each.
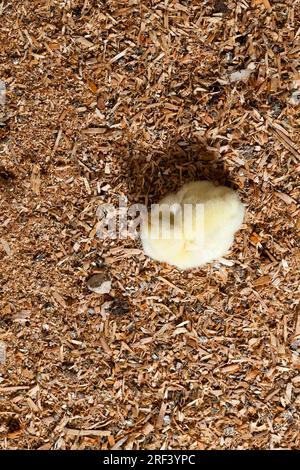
(194,226)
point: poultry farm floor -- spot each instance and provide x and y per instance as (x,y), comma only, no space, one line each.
(101,99)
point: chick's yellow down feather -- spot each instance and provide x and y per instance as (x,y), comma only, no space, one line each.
(194,226)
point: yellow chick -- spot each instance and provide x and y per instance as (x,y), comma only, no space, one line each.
(194,226)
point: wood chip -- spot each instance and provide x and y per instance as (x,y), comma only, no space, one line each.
(147,429)
(6,246)
(59,299)
(84,42)
(160,418)
(95,130)
(86,432)
(230,369)
(262,281)
(284,197)
(36,179)
(119,56)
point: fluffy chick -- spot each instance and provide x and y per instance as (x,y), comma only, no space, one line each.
(194,226)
